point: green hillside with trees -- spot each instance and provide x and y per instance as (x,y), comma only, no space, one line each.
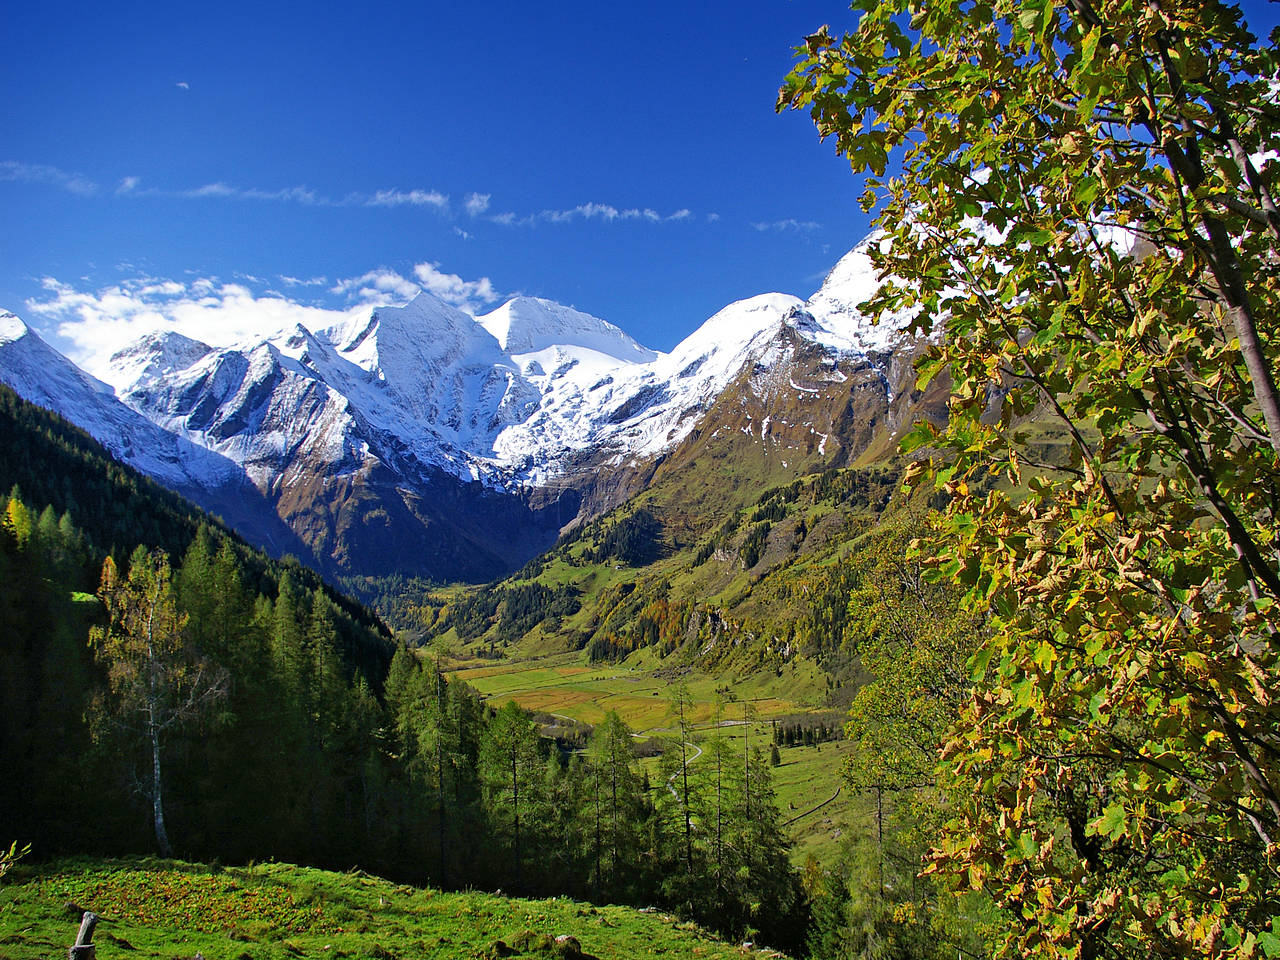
(225,706)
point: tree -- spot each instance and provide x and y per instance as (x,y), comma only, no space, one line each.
(1084,224)
(11,856)
(616,789)
(511,769)
(157,680)
(676,801)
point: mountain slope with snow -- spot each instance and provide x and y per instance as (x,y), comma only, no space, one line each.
(389,427)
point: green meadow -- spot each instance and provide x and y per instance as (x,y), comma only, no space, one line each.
(276,911)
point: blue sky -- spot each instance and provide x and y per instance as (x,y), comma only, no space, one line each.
(622,158)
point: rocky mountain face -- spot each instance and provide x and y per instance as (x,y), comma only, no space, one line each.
(421,440)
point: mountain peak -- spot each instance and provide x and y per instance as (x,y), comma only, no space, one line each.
(530,324)
(11,328)
(152,357)
(840,324)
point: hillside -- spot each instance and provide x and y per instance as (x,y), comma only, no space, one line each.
(167,908)
(762,591)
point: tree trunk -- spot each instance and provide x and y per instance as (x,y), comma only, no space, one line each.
(157,801)
(515,806)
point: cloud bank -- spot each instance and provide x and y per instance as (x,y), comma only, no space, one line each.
(91,325)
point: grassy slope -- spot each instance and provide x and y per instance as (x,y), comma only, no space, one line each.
(154,908)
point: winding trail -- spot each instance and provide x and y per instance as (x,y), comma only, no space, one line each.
(688,760)
(800,816)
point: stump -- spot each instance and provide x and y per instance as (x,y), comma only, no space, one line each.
(83,949)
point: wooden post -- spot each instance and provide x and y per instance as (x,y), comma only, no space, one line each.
(84,948)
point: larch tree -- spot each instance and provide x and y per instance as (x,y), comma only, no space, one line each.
(617,800)
(511,769)
(1084,225)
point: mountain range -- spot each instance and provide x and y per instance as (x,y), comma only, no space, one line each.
(422,440)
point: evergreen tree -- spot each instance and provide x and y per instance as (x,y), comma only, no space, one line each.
(511,771)
(617,805)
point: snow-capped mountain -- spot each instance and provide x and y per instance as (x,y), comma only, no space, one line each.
(419,438)
(44,376)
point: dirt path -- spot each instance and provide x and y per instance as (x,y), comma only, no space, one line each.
(800,816)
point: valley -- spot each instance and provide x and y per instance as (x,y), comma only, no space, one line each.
(932,612)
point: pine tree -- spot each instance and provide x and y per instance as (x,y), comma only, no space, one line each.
(617,801)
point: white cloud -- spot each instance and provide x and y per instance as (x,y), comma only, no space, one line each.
(477,203)
(468,295)
(127,185)
(415,198)
(385,285)
(76,183)
(377,287)
(95,324)
(183,85)
(791,224)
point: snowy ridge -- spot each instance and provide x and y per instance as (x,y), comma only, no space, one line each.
(45,377)
(838,323)
(511,397)
(530,324)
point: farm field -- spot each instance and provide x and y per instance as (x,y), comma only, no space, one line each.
(563,685)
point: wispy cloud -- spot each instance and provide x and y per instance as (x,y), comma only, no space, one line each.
(603,212)
(219,190)
(600,211)
(476,206)
(412,198)
(76,183)
(182,85)
(790,224)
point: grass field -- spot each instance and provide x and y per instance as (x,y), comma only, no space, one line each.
(564,685)
(823,814)
(155,908)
